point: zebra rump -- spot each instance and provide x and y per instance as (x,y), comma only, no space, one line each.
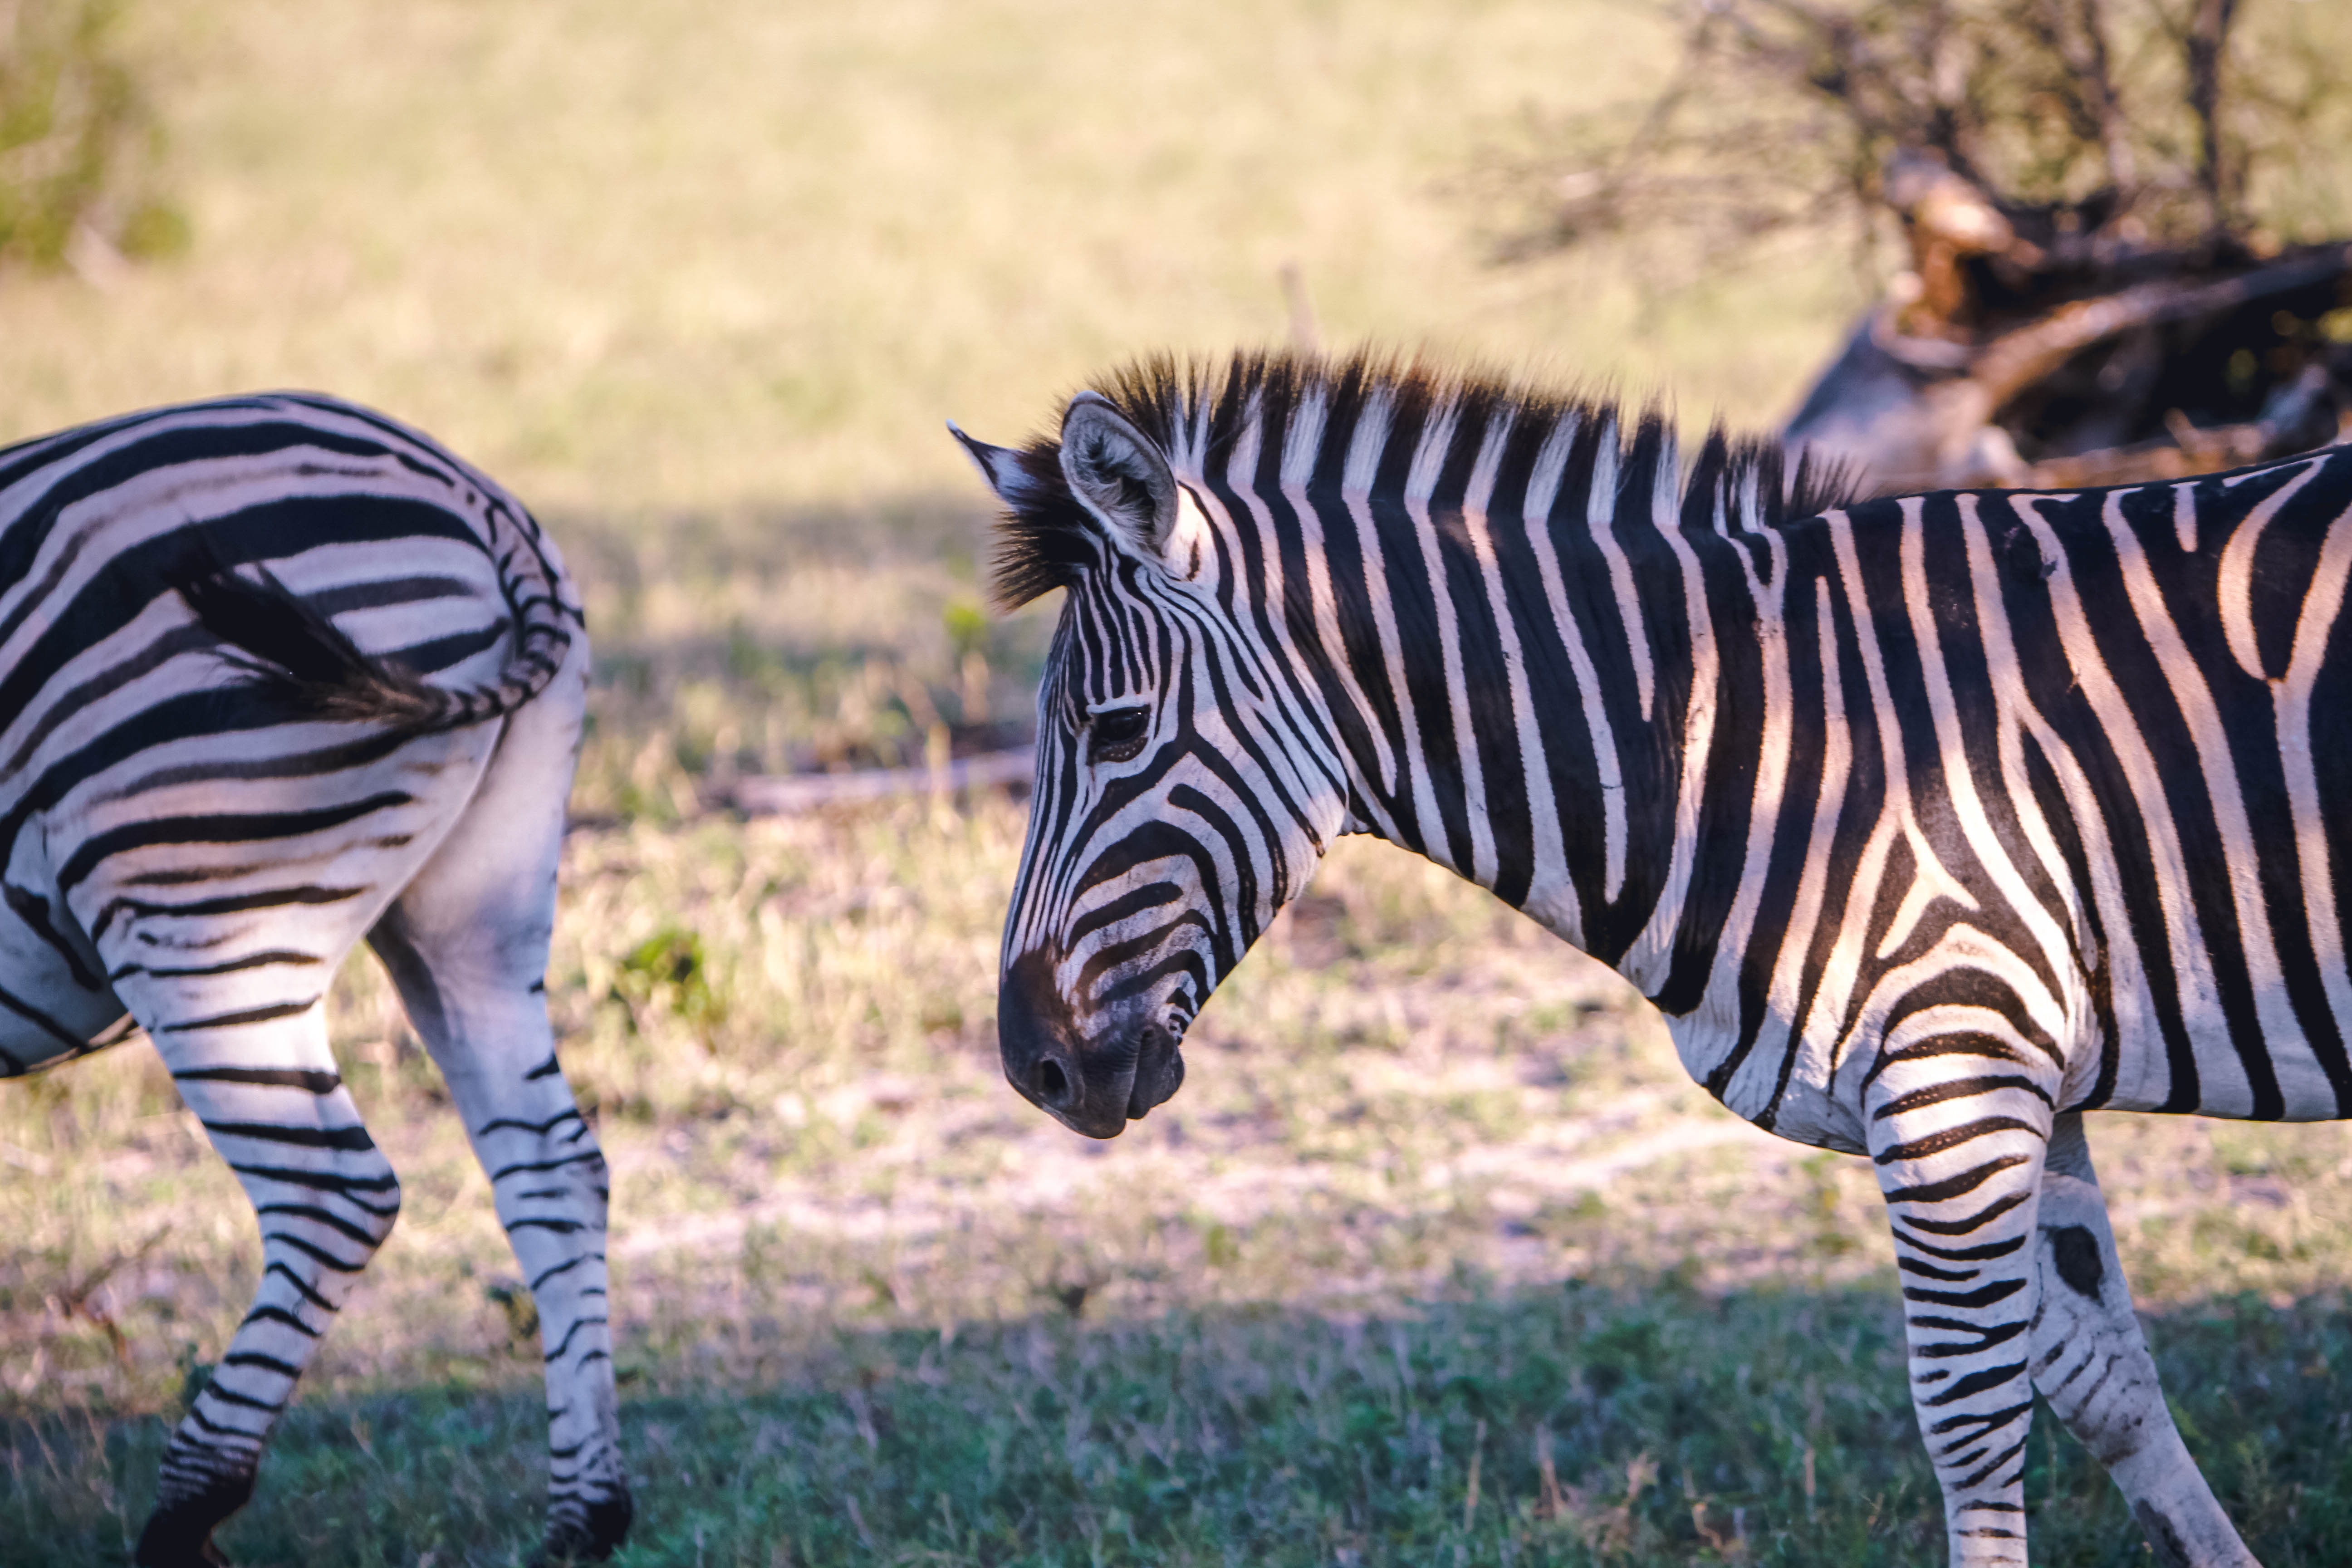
(303,657)
(278,674)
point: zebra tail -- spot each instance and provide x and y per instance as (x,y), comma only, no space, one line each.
(281,643)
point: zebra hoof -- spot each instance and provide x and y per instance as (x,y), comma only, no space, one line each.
(588,1538)
(205,1555)
(179,1533)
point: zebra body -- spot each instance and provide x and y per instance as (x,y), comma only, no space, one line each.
(277,674)
(1930,823)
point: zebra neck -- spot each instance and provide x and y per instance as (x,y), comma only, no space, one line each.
(1534,697)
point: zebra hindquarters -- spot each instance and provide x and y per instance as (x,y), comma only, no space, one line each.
(2091,1365)
(466,945)
(221,904)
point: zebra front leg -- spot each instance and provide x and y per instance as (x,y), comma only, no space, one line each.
(268,1093)
(2092,1365)
(1960,1142)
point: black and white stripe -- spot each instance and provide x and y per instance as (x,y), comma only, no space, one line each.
(277,674)
(1929,823)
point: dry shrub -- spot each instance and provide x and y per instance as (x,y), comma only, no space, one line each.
(2089,124)
(80,145)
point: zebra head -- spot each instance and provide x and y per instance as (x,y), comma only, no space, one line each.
(1187,780)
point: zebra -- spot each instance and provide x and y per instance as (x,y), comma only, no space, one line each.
(1929,823)
(277,673)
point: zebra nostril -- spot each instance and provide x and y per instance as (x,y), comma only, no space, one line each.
(1052,1083)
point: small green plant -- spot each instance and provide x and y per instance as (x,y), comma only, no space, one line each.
(969,630)
(519,1309)
(79,145)
(1823,1207)
(669,972)
(196,1376)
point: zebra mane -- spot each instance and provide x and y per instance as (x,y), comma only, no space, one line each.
(1438,419)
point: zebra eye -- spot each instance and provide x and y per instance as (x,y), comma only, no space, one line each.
(1117,735)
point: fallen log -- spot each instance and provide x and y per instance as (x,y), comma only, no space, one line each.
(793,794)
(2087,390)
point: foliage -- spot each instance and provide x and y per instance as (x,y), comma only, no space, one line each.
(78,143)
(2087,123)
(669,972)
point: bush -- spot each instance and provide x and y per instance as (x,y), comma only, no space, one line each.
(79,149)
(2089,126)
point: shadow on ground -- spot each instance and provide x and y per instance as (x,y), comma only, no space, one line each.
(1677,1427)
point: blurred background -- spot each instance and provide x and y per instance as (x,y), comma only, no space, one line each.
(1438,1258)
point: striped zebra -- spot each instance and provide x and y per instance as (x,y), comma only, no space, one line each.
(277,674)
(1930,823)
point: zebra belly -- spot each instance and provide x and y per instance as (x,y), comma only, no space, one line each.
(2219,1079)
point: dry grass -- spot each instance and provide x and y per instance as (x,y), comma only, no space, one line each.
(1409,1117)
(701,281)
(722,253)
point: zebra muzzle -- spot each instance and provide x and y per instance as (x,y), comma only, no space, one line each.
(1158,1071)
(1095,1086)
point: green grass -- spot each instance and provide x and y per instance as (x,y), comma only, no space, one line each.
(701,281)
(1680,1425)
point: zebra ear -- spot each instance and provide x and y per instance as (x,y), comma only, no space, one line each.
(1000,466)
(1119,474)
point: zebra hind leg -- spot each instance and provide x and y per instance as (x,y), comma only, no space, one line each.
(466,943)
(268,1093)
(2092,1365)
(488,1031)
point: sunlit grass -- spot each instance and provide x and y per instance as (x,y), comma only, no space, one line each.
(701,282)
(645,258)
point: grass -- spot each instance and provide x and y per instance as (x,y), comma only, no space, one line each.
(1436,1202)
(1278,1437)
(1436,1189)
(723,254)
